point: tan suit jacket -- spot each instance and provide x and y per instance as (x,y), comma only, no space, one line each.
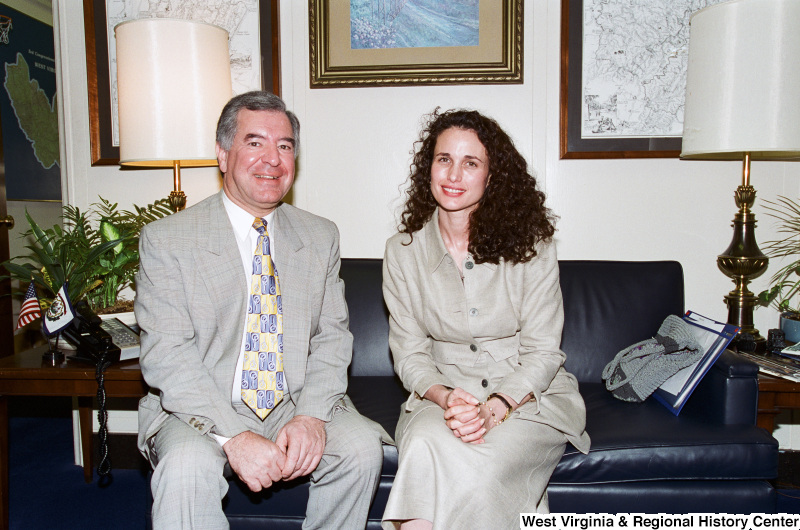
(191,302)
(497,330)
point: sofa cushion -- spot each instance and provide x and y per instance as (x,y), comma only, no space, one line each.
(666,497)
(610,305)
(369,318)
(644,441)
(380,399)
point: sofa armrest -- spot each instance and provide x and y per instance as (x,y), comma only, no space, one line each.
(727,394)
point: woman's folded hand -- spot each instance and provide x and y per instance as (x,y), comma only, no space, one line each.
(462,416)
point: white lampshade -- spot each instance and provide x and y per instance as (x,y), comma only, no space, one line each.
(743,81)
(173,78)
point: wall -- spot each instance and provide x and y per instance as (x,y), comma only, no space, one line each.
(356,149)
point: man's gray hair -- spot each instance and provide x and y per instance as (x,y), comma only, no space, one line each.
(255,100)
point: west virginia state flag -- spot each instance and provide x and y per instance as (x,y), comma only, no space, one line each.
(60,313)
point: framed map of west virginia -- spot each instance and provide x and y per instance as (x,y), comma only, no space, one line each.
(623,76)
(28,108)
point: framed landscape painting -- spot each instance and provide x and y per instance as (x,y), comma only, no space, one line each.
(414,42)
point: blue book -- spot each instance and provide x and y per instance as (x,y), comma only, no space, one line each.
(714,337)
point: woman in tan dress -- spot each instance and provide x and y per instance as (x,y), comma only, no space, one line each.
(471,282)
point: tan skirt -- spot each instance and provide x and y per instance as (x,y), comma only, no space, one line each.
(460,485)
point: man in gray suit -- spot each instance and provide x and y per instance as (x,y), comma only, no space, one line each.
(194,304)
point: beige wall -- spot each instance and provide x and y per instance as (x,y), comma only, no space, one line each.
(355,155)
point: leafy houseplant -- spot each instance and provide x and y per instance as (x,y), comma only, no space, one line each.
(96,253)
(784,289)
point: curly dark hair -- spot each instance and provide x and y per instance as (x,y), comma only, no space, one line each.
(511,216)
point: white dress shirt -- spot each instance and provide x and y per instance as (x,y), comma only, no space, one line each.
(246,238)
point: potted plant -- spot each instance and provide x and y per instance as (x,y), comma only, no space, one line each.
(95,253)
(784,286)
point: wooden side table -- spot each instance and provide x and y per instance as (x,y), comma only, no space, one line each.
(26,375)
(774,394)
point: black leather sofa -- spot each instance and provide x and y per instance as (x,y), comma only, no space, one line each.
(711,458)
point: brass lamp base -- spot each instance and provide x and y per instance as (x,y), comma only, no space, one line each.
(177,200)
(743,261)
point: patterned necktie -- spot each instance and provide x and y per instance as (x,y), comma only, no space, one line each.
(263,384)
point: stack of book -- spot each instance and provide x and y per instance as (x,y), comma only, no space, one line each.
(785,364)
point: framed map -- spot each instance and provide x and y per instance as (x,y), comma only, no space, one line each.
(356,43)
(253,26)
(623,76)
(28,105)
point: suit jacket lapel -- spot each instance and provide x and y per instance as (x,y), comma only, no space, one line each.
(224,276)
(291,262)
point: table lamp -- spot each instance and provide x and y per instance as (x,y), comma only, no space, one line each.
(173,78)
(743,103)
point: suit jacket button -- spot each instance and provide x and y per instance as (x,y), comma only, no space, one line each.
(192,421)
(473,312)
(469,265)
(473,347)
(484,383)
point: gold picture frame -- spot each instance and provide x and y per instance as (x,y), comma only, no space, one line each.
(496,59)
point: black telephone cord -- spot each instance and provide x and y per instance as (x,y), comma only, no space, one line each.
(104,465)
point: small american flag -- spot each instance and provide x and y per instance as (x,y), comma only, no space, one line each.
(30,309)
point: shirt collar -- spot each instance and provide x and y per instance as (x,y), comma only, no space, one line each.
(436,249)
(241,220)
(435,244)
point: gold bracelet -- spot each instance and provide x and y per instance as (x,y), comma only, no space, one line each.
(505,402)
(494,417)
